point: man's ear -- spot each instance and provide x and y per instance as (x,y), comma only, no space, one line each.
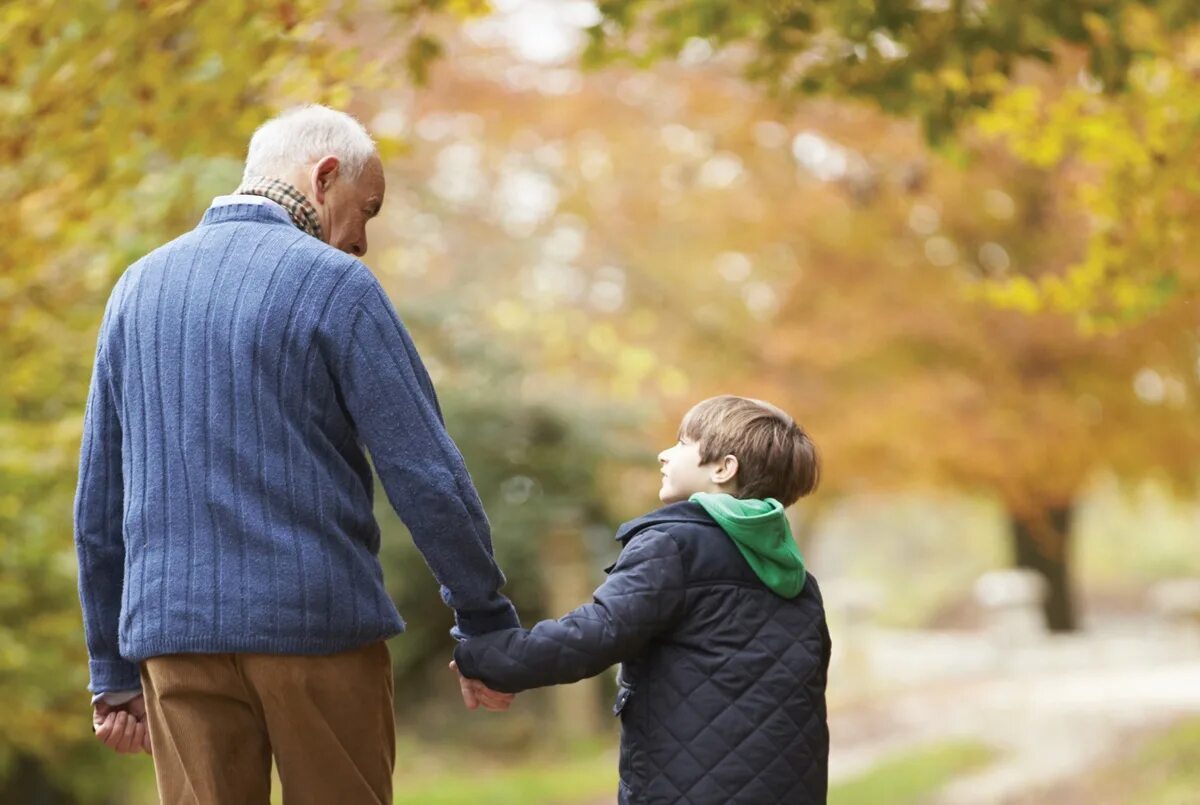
(324,174)
(726,470)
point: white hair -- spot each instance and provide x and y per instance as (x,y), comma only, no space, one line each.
(298,137)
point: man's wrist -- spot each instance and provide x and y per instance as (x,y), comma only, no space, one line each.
(116,698)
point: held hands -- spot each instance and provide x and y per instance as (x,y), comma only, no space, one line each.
(475,693)
(122,728)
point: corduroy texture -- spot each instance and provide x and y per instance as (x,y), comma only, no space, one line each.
(217,719)
(225,499)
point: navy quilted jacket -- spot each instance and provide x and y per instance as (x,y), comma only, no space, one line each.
(722,684)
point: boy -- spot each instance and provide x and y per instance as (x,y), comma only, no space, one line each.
(719,628)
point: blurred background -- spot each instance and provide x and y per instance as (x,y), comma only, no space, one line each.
(957,240)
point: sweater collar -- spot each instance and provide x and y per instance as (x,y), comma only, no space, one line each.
(238,208)
(243,198)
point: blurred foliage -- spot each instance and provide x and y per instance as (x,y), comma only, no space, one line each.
(686,237)
(937,60)
(1101,92)
(119,120)
(1130,161)
(693,243)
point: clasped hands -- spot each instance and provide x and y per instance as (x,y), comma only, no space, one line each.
(475,694)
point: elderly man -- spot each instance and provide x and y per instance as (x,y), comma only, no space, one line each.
(233,600)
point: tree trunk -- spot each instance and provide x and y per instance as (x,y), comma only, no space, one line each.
(803,520)
(577,713)
(1042,543)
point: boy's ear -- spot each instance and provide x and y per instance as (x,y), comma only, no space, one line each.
(726,470)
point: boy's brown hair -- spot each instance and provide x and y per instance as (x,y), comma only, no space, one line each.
(776,457)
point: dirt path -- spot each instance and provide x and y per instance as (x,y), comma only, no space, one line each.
(1050,717)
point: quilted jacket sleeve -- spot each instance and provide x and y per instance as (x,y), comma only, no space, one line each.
(642,597)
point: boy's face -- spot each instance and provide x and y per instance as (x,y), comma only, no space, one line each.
(683,475)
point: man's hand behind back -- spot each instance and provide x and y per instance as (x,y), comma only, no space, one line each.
(123,728)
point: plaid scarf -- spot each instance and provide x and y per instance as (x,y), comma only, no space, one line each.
(304,214)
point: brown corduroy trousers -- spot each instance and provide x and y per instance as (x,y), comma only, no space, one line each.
(216,720)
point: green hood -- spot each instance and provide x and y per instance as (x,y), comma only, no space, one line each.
(761,532)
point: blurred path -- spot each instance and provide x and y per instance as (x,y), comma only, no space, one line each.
(1051,709)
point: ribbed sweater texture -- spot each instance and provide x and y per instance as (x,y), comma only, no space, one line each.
(243,372)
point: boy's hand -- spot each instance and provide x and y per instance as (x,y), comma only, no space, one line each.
(475,693)
(122,728)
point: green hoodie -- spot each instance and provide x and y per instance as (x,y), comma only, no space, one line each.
(761,532)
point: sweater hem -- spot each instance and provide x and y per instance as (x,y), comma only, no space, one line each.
(158,647)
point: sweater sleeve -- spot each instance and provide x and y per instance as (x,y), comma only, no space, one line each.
(642,598)
(99,541)
(391,399)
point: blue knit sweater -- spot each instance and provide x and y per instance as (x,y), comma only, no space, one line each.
(225,500)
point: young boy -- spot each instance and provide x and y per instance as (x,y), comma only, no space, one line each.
(719,628)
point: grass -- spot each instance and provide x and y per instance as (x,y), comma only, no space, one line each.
(587,774)
(1164,770)
(1169,766)
(910,777)
(591,775)
(577,778)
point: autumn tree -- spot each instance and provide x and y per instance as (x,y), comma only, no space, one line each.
(1102,92)
(685,236)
